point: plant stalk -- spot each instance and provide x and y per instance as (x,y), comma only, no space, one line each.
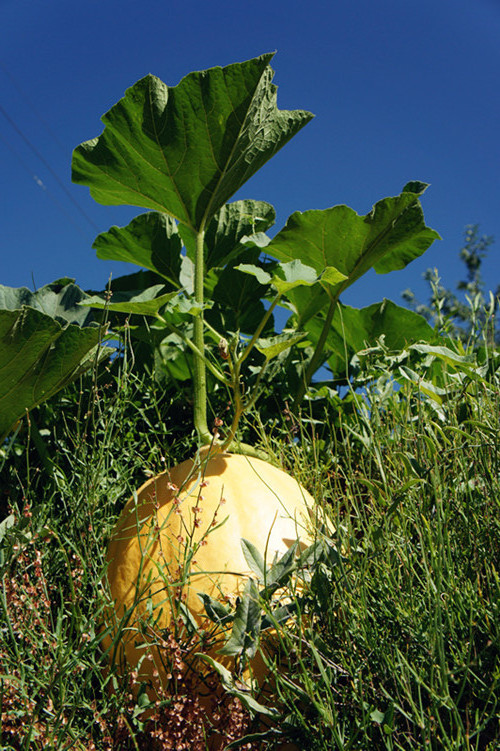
(194,349)
(200,376)
(316,357)
(258,331)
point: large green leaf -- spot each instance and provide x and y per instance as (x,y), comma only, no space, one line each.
(150,240)
(353,329)
(58,300)
(153,241)
(185,150)
(227,228)
(338,239)
(38,357)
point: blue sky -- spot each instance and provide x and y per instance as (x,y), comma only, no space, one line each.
(401,90)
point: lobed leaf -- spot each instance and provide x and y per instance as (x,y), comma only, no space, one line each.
(185,150)
(352,329)
(150,240)
(337,241)
(38,357)
(58,300)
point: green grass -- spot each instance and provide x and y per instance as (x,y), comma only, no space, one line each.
(394,641)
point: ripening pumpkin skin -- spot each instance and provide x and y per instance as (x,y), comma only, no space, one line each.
(178,512)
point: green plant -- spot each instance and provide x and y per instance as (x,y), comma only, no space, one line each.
(391,640)
(182,152)
(383,633)
(445,310)
(46,341)
(395,641)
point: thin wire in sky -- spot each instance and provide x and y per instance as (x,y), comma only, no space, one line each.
(42,185)
(26,100)
(56,177)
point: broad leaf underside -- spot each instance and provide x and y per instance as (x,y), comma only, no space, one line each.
(41,353)
(185,150)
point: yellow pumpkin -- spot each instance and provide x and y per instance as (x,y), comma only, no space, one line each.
(182,534)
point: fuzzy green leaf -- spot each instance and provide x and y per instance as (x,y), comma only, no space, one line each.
(353,329)
(150,240)
(38,357)
(391,235)
(185,150)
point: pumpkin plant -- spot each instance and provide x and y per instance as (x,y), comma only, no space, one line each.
(182,152)
(46,341)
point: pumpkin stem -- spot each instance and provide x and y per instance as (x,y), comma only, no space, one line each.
(199,374)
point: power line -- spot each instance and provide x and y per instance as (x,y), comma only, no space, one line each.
(26,100)
(48,167)
(42,185)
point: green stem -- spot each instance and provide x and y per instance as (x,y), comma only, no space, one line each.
(200,376)
(315,360)
(256,389)
(258,330)
(194,349)
(239,404)
(214,333)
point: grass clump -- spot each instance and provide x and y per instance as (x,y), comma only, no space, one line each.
(399,641)
(393,639)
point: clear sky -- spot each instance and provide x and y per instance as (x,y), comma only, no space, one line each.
(401,91)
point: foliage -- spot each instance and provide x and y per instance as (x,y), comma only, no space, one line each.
(46,341)
(445,310)
(182,152)
(386,636)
